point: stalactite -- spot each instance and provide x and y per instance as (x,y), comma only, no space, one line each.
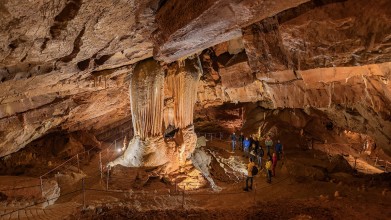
(182,85)
(146,94)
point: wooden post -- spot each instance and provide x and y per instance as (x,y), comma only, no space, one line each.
(376,161)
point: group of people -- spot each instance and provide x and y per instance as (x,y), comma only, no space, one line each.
(252,148)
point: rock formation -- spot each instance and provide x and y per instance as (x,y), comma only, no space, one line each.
(68,66)
(151,92)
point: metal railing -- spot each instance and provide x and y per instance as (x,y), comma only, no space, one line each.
(76,161)
(211,136)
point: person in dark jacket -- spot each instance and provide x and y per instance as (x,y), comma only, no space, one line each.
(260,155)
(241,139)
(256,146)
(251,141)
(279,150)
(233,141)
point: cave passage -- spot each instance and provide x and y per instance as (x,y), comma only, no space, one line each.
(197,109)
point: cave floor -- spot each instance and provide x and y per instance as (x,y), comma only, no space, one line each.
(287,197)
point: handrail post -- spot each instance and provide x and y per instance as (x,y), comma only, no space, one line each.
(107,179)
(100,165)
(176,186)
(376,161)
(41,186)
(183,196)
(84,193)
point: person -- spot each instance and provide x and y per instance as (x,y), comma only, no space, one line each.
(253,153)
(246,145)
(249,178)
(241,139)
(233,140)
(278,149)
(260,155)
(268,167)
(274,164)
(251,139)
(256,145)
(268,144)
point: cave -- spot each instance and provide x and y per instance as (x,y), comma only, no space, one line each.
(197,109)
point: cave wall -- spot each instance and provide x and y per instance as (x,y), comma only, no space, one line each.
(66,65)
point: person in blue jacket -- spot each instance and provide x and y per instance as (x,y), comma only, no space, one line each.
(246,145)
(278,149)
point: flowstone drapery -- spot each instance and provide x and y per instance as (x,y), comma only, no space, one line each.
(160,101)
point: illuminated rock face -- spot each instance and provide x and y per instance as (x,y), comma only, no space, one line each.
(150,93)
(66,65)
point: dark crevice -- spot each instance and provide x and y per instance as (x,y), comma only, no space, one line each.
(43,46)
(15,43)
(161,3)
(83,65)
(24,58)
(76,47)
(303,8)
(68,13)
(13,46)
(103,59)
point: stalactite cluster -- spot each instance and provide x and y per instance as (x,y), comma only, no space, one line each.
(181,84)
(146,95)
(158,100)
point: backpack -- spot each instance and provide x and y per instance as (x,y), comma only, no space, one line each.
(268,165)
(261,153)
(254,171)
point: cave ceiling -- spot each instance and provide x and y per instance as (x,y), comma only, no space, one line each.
(66,64)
